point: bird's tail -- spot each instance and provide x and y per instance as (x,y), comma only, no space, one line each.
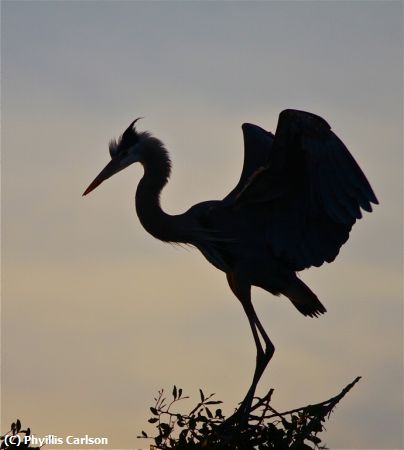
(304,299)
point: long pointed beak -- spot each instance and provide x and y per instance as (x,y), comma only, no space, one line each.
(110,169)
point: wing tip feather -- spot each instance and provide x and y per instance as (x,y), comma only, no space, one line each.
(305,117)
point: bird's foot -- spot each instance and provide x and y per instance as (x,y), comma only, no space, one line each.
(237,421)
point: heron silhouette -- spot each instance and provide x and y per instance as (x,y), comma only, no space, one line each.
(299,194)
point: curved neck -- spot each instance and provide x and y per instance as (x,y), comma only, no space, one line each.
(157,169)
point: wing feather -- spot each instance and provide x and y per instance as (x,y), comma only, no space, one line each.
(310,189)
(257,149)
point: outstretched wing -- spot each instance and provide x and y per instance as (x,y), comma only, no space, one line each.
(310,192)
(257,148)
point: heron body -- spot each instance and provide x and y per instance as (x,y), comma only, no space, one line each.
(299,194)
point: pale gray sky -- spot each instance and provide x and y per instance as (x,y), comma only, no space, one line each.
(96,314)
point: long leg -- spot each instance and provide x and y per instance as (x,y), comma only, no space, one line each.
(242,290)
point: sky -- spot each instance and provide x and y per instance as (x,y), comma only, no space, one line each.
(97,315)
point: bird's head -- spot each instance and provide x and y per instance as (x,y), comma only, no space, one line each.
(124,152)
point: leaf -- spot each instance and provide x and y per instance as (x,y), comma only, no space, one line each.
(153,420)
(209,413)
(28,432)
(314,439)
(316,426)
(154,411)
(287,425)
(179,393)
(144,434)
(175,392)
(183,434)
(213,402)
(192,423)
(165,429)
(202,396)
(18,425)
(201,418)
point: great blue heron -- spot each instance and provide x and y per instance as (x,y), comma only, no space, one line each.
(299,194)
